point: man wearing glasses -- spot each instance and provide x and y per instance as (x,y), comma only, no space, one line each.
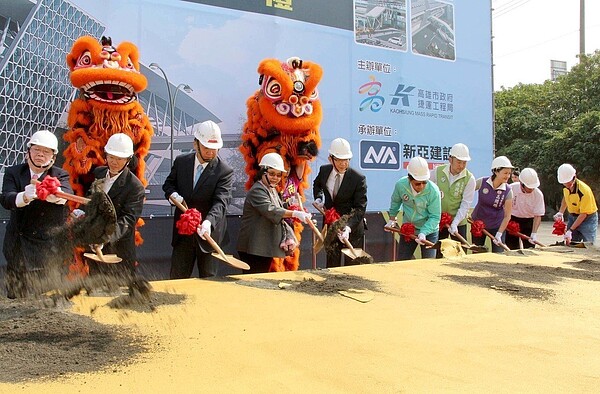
(421,204)
(578,200)
(527,208)
(339,186)
(28,231)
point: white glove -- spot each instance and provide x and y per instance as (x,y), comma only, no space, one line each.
(51,198)
(498,238)
(319,203)
(421,239)
(344,234)
(532,238)
(568,237)
(204,229)
(78,213)
(175,196)
(453,228)
(391,223)
(558,216)
(304,217)
(30,193)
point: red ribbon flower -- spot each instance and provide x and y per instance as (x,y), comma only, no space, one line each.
(331,216)
(188,222)
(47,187)
(407,229)
(559,227)
(513,227)
(477,227)
(445,220)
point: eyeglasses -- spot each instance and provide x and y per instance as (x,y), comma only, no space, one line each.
(275,174)
(417,183)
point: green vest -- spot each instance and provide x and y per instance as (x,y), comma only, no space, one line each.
(451,195)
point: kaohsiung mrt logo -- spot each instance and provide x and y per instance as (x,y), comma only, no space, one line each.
(379,155)
(374,101)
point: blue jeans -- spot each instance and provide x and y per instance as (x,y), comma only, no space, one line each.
(586,231)
(406,249)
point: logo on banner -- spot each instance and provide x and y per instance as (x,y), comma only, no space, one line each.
(380,155)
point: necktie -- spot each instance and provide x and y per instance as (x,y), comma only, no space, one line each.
(336,185)
(198,173)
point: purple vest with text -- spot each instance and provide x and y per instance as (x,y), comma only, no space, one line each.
(490,205)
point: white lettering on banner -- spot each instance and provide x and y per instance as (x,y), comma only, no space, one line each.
(384,156)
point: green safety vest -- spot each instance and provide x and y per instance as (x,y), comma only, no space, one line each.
(451,194)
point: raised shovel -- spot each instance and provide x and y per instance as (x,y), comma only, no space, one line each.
(311,224)
(227,258)
(98,255)
(349,250)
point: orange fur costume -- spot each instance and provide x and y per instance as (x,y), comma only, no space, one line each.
(284,117)
(109,79)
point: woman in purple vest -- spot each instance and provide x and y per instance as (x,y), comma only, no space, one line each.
(494,203)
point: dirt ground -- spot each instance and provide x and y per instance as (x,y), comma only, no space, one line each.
(48,338)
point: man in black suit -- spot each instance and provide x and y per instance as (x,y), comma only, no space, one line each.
(28,246)
(127,194)
(203,181)
(345,189)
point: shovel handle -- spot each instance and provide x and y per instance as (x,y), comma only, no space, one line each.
(310,222)
(66,196)
(321,211)
(99,253)
(349,246)
(528,238)
(506,248)
(412,236)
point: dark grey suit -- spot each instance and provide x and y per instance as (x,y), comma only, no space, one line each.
(210,196)
(351,197)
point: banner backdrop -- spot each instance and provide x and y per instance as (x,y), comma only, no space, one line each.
(401,78)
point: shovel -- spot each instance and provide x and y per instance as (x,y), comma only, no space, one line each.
(321,240)
(356,253)
(526,237)
(100,257)
(572,244)
(506,248)
(229,259)
(466,244)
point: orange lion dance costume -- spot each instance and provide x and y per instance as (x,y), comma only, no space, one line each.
(284,117)
(109,79)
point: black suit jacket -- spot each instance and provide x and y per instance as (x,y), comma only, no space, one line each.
(352,195)
(127,195)
(29,226)
(210,196)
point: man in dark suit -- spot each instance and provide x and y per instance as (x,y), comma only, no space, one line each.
(127,194)
(28,246)
(203,181)
(345,189)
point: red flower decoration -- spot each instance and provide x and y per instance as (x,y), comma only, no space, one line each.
(331,216)
(445,220)
(513,227)
(477,227)
(407,229)
(47,187)
(189,222)
(559,227)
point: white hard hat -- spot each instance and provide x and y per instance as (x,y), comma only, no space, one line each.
(418,168)
(566,173)
(119,145)
(209,134)
(460,152)
(501,162)
(340,149)
(272,160)
(44,138)
(529,178)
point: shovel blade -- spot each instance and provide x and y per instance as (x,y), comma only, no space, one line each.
(359,253)
(232,261)
(106,258)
